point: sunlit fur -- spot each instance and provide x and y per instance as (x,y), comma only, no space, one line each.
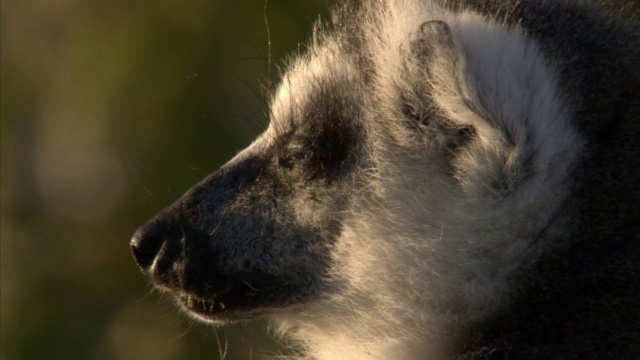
(421,257)
(439,180)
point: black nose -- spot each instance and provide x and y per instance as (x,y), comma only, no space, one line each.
(156,242)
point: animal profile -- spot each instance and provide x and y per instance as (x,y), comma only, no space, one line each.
(439,180)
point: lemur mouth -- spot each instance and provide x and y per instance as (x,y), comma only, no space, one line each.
(230,304)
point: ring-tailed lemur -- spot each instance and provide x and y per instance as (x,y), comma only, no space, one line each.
(440,179)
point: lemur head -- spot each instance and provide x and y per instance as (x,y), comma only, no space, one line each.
(392,149)
(257,234)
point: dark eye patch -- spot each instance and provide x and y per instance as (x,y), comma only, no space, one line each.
(298,149)
(322,138)
(318,148)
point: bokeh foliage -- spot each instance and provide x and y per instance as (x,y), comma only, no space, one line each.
(110,110)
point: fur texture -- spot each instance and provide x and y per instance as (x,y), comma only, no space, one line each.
(439,180)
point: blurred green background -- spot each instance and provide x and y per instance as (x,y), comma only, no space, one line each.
(110,110)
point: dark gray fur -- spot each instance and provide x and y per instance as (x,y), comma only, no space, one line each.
(583,300)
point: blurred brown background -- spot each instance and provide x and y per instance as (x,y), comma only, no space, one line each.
(110,110)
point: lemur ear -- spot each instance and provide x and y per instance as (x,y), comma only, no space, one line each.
(432,58)
(432,37)
(430,68)
(443,99)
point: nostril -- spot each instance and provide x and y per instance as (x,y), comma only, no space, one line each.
(149,239)
(144,249)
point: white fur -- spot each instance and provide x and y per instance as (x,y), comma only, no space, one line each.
(422,257)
